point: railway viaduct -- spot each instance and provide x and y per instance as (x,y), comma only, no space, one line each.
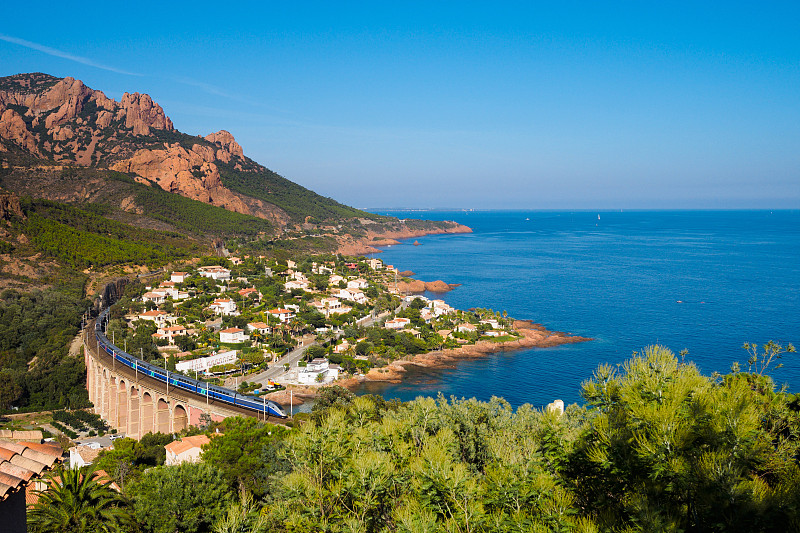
(135,404)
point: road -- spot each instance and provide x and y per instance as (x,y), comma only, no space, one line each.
(277,371)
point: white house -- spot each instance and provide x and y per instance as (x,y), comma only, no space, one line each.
(168,289)
(224,306)
(260,327)
(491,322)
(232,335)
(295,284)
(375,264)
(316,368)
(332,306)
(358,283)
(466,328)
(157,297)
(335,279)
(439,308)
(354,295)
(159,317)
(170,332)
(215,272)
(185,450)
(203,364)
(320,269)
(342,347)
(178,277)
(284,315)
(83,455)
(397,323)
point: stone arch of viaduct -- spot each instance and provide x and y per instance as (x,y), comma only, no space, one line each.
(136,405)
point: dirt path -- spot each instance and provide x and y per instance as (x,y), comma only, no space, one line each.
(76,345)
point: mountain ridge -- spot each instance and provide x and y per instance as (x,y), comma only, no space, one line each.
(63,121)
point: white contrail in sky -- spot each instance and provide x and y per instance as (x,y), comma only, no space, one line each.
(58,53)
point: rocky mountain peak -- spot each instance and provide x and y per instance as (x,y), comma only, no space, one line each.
(229,145)
(141,114)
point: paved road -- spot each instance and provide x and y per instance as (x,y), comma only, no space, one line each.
(276,372)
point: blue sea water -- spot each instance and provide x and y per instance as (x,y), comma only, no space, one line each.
(705,281)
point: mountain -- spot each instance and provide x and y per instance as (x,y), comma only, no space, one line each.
(61,121)
(91,182)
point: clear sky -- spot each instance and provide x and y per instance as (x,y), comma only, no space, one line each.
(474,105)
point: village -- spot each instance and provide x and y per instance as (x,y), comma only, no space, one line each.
(259,325)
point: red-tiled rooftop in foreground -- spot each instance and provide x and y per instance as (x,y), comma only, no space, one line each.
(21,462)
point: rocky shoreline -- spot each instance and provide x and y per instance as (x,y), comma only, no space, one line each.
(369,244)
(533,336)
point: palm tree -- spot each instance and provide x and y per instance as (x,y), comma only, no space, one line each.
(76,501)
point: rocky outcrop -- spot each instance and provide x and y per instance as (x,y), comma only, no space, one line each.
(229,148)
(14,129)
(193,174)
(141,114)
(66,103)
(418,287)
(10,207)
(112,292)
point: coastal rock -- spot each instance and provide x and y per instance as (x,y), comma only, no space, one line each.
(386,237)
(418,287)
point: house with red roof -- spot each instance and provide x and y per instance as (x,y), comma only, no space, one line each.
(232,335)
(284,315)
(186,450)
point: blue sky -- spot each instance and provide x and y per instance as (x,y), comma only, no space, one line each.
(439,104)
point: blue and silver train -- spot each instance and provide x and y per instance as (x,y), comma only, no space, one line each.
(180,381)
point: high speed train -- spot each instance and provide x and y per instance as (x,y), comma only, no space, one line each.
(180,381)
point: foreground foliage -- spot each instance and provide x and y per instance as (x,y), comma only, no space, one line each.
(657,447)
(35,331)
(77,501)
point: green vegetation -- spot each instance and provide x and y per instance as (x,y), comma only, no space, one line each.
(77,501)
(198,217)
(296,200)
(656,447)
(79,420)
(83,237)
(35,331)
(184,498)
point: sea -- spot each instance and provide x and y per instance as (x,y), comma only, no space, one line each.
(703,281)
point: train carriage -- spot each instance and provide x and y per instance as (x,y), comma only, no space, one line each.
(180,381)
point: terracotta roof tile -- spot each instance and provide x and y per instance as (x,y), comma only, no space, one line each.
(16,471)
(30,464)
(21,463)
(187,443)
